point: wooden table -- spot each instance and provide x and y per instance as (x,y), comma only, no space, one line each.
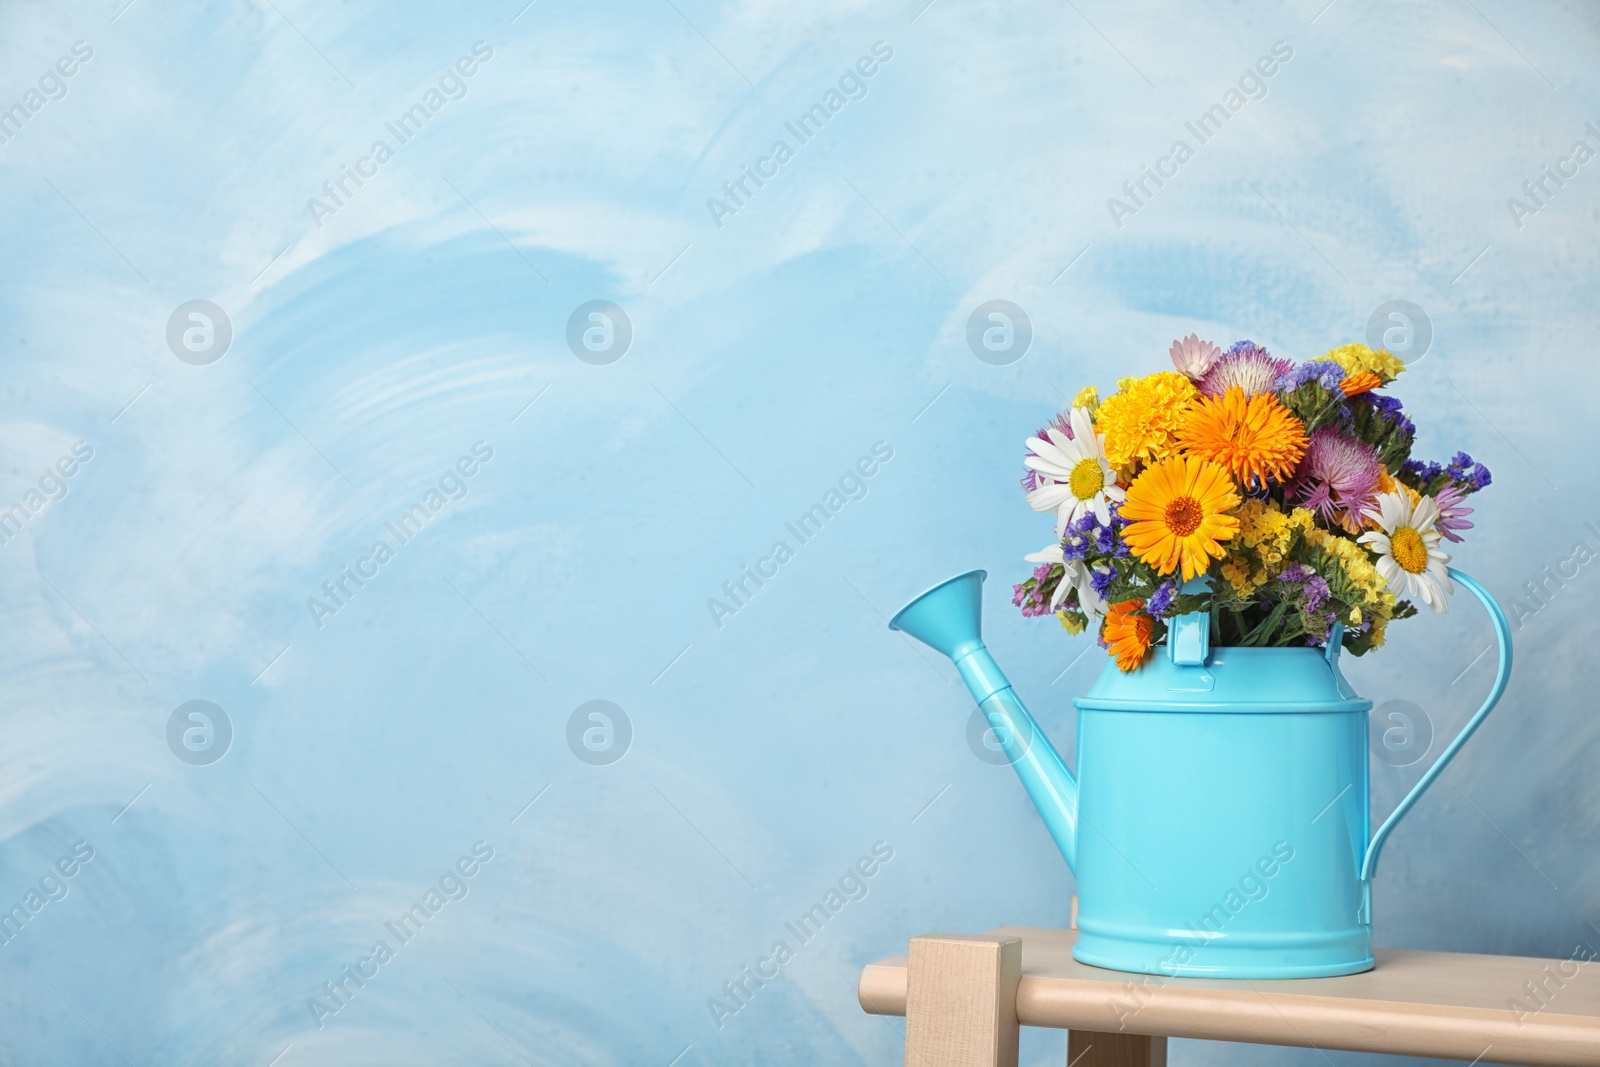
(964,996)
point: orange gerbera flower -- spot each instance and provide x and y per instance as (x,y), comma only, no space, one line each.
(1356,384)
(1179,510)
(1255,438)
(1126,633)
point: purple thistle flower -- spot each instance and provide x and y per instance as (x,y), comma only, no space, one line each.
(1337,474)
(1059,424)
(1451,512)
(1325,372)
(1246,365)
(1056,430)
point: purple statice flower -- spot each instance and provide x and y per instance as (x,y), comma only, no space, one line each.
(1101,580)
(1161,599)
(1086,535)
(1423,472)
(1324,372)
(1315,586)
(1118,524)
(1246,365)
(1390,408)
(1463,469)
(1105,539)
(1076,542)
(1033,602)
(1451,512)
(1338,474)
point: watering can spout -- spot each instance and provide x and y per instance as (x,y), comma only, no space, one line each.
(948,619)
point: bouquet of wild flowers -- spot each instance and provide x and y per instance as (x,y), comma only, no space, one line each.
(1290,488)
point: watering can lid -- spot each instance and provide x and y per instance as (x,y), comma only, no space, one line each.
(1232,679)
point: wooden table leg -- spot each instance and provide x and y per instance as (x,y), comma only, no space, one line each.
(961,1001)
(1089,1048)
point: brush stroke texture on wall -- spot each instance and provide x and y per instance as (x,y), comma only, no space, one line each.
(381,331)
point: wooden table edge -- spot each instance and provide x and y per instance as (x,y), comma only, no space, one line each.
(1174,1009)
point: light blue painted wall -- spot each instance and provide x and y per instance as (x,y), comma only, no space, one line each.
(769,353)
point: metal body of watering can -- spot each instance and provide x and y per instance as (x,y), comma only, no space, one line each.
(1218,823)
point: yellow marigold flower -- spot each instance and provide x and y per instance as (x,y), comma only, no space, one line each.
(1255,438)
(1088,398)
(1358,358)
(1141,419)
(1179,510)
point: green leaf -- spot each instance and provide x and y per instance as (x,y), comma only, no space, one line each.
(1259,635)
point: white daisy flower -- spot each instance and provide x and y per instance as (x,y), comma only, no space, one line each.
(1077,576)
(1073,477)
(1409,557)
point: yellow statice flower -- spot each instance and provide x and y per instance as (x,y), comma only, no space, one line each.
(1141,419)
(1074,622)
(1358,567)
(1236,570)
(1266,530)
(1357,358)
(1355,561)
(1088,398)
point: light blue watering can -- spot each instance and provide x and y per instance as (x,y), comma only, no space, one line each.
(1218,825)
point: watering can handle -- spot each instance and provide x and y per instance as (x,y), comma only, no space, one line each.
(1502,633)
(1189,636)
